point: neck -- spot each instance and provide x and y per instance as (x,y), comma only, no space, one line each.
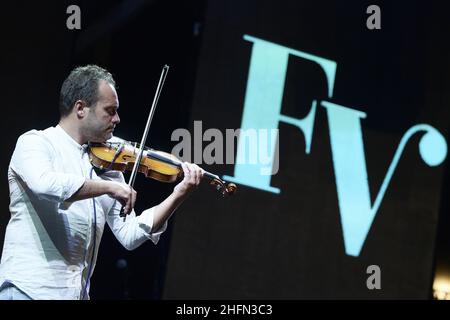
(72,130)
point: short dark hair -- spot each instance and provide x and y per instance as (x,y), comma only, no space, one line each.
(82,84)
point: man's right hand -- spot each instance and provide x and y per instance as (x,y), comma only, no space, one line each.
(123,193)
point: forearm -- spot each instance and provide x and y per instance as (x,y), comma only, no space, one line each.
(90,189)
(165,209)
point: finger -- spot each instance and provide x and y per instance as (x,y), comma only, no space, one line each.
(183,166)
(125,209)
(191,172)
(187,171)
(200,172)
(197,174)
(133,199)
(129,205)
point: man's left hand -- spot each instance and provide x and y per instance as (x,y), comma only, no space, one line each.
(192,177)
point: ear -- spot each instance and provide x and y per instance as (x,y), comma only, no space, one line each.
(80,109)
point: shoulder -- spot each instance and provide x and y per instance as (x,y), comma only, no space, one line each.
(36,138)
(30,145)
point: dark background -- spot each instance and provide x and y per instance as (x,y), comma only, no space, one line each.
(255,245)
(288,246)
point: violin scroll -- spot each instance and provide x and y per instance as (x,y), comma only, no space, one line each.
(227,189)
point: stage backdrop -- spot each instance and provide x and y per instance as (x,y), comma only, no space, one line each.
(363,119)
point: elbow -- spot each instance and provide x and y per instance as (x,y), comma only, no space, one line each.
(131,245)
(46,188)
(43,192)
(128,246)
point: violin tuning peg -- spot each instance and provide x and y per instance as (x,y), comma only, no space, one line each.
(231,188)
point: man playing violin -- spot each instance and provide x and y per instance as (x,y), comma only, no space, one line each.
(59,204)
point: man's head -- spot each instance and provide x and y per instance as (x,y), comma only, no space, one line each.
(89,100)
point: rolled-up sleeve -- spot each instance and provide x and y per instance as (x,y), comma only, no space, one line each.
(32,162)
(145,221)
(135,230)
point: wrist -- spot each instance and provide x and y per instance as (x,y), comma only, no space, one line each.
(180,193)
(108,187)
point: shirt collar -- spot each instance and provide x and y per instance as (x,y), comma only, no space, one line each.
(70,139)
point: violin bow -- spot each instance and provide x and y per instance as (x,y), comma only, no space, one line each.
(162,78)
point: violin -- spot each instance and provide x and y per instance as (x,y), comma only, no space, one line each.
(154,164)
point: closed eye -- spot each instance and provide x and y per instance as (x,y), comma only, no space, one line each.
(111,110)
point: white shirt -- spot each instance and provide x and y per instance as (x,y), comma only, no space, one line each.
(49,242)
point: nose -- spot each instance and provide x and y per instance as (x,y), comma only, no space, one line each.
(116,118)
